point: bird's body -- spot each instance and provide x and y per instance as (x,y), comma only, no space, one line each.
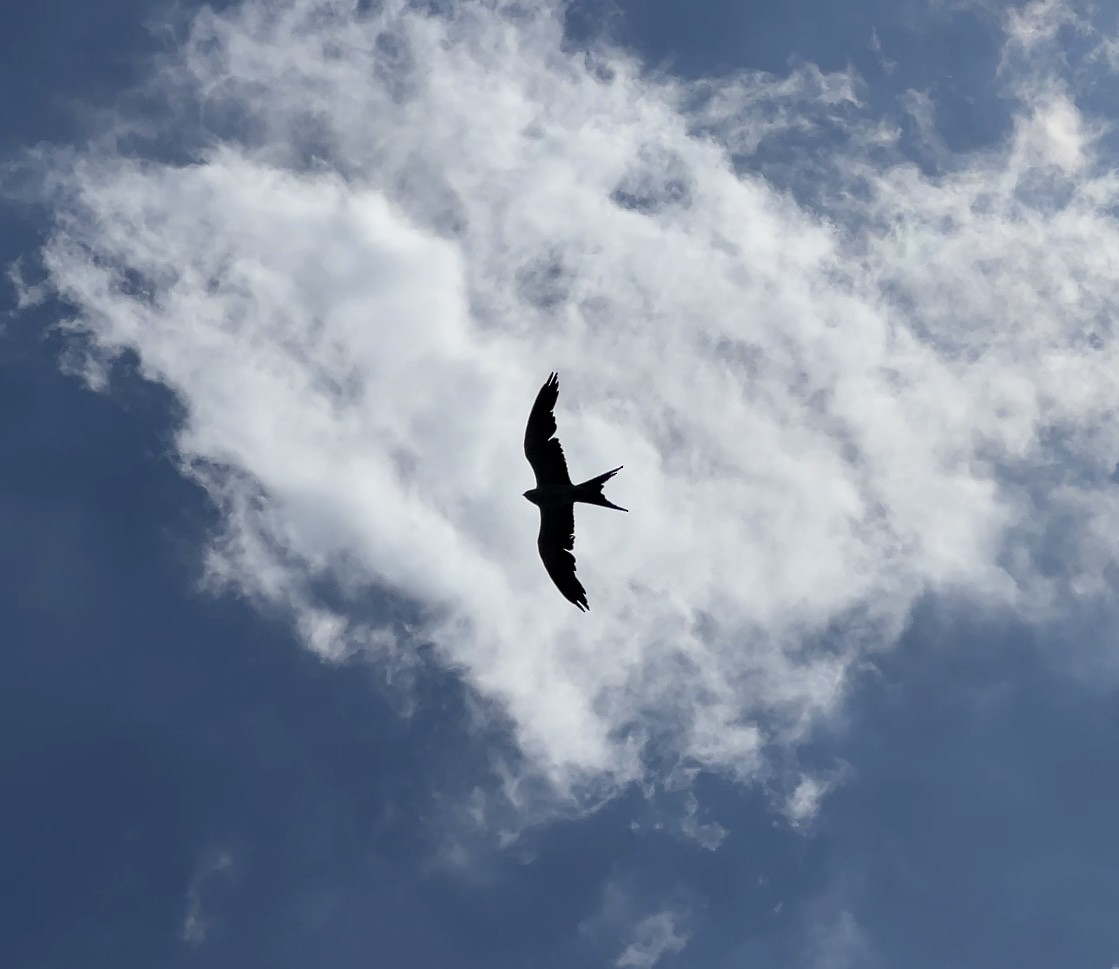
(589,492)
(555,495)
(551,495)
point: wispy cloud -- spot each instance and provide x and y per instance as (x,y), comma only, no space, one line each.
(654,937)
(197,924)
(384,228)
(804,801)
(840,943)
(634,939)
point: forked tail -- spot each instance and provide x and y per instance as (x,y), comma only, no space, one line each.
(591,491)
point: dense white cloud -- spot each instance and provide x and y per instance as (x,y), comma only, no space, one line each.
(396,223)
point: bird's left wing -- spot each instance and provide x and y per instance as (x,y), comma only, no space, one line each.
(541,448)
(556,541)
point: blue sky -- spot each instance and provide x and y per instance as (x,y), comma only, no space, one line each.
(285,684)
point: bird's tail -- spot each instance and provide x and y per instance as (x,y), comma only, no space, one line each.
(591,491)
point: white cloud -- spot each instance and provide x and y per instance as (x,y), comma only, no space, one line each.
(804,801)
(1036,24)
(654,937)
(403,221)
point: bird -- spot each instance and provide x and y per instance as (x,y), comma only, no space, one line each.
(555,495)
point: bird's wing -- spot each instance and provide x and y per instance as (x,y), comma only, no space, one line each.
(541,448)
(557,539)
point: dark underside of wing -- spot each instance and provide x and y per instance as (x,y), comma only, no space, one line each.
(556,541)
(541,448)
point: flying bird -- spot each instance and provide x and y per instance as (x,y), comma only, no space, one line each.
(556,495)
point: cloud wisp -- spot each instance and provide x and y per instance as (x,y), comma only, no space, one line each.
(385,228)
(656,937)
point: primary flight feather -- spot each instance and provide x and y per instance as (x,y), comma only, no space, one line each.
(556,495)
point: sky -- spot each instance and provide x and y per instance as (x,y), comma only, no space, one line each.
(284,682)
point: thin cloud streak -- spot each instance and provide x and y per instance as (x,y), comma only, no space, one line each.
(394,224)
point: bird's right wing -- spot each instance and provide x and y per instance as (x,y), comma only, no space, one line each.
(556,541)
(541,448)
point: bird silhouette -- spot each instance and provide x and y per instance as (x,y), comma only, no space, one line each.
(555,495)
